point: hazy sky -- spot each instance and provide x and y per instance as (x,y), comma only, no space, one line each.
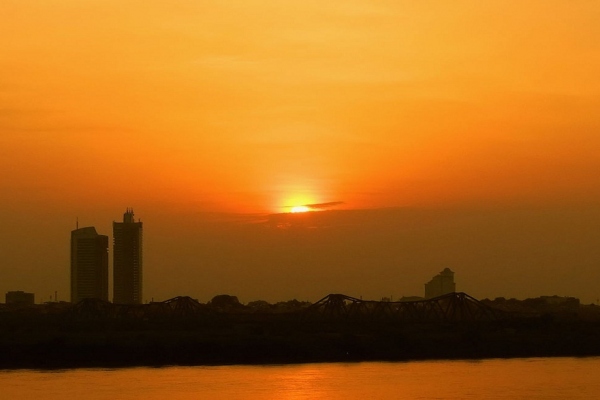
(459,134)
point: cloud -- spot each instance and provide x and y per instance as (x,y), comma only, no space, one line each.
(322,206)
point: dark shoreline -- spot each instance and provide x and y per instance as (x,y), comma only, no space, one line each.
(229,341)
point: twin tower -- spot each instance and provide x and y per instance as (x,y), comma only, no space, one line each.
(89,262)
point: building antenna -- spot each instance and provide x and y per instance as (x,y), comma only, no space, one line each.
(76,222)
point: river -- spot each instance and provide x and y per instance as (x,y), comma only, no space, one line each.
(535,378)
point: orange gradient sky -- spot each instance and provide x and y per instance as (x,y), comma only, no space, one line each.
(255,106)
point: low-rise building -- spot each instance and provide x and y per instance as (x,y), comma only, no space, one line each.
(20,297)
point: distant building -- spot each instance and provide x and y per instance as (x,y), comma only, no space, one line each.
(127,260)
(411,298)
(440,284)
(20,297)
(89,265)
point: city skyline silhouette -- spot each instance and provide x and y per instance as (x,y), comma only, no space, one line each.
(369,253)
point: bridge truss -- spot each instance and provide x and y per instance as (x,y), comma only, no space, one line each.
(452,307)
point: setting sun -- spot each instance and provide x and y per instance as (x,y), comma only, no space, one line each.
(299,209)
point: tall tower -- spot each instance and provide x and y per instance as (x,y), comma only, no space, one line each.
(89,265)
(127,260)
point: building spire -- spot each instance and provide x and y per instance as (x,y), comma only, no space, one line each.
(128,216)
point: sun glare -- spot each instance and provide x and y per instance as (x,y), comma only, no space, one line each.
(299,209)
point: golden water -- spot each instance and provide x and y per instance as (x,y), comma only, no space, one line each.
(539,378)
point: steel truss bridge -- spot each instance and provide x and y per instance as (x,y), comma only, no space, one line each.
(181,306)
(452,307)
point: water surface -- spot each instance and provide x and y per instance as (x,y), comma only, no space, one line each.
(536,378)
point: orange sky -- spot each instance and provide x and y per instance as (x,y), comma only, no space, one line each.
(250,106)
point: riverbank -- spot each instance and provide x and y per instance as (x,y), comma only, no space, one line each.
(282,340)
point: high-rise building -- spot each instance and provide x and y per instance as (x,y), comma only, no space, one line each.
(89,265)
(127,260)
(442,283)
